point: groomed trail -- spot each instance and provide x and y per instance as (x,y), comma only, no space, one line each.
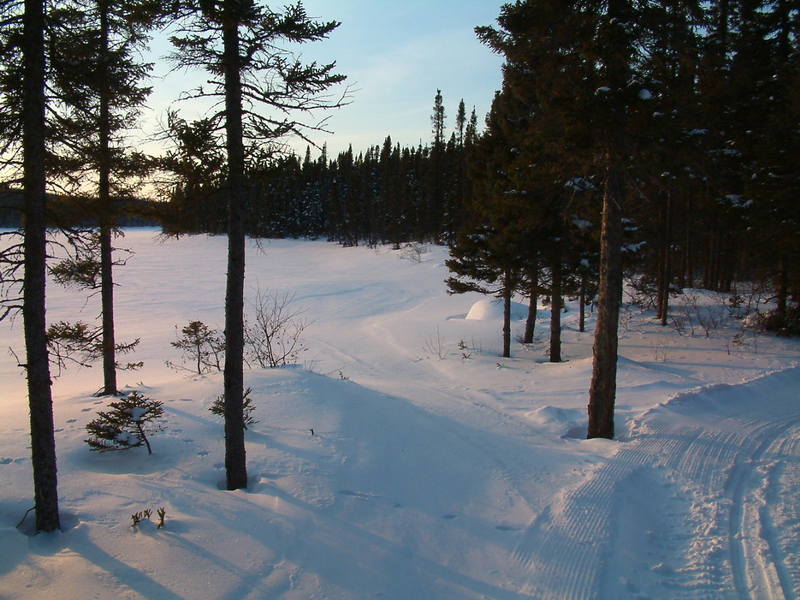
(704,464)
(699,499)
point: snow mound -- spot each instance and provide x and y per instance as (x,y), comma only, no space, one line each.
(551,415)
(492,308)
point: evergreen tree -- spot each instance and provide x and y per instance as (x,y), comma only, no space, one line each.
(100,83)
(250,67)
(488,256)
(23,133)
(461,122)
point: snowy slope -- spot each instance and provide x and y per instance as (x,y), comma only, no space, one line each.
(435,469)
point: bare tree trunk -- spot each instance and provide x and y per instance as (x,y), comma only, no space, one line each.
(533,305)
(603,388)
(235,457)
(602,391)
(106,214)
(43,447)
(555,305)
(507,314)
(689,250)
(582,305)
(667,260)
(662,243)
(783,288)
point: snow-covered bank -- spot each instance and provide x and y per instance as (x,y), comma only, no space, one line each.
(435,468)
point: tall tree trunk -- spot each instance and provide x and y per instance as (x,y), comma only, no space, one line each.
(689,265)
(555,305)
(662,243)
(235,458)
(783,289)
(533,304)
(106,211)
(582,305)
(43,446)
(667,260)
(603,388)
(507,289)
(602,391)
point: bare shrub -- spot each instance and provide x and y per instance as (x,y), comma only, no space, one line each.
(434,345)
(413,252)
(272,337)
(705,316)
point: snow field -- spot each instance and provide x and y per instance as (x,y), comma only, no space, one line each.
(436,469)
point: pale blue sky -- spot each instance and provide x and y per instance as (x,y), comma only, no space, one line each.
(396,55)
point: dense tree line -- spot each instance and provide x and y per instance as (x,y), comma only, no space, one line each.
(386,194)
(664,116)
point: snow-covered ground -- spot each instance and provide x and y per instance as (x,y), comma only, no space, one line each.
(436,469)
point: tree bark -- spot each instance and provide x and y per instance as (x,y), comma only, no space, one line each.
(783,289)
(533,305)
(666,268)
(555,305)
(106,208)
(603,388)
(507,315)
(602,391)
(235,457)
(43,447)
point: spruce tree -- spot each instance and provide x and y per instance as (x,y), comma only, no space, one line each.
(23,134)
(100,83)
(488,256)
(249,67)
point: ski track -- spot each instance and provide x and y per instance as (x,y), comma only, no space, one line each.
(739,473)
(730,478)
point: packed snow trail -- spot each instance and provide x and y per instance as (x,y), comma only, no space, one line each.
(721,463)
(705,461)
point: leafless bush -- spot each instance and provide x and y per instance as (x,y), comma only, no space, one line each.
(705,316)
(272,337)
(434,345)
(413,252)
(683,325)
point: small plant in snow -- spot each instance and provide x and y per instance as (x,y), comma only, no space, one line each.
(125,425)
(162,514)
(434,345)
(204,348)
(138,517)
(218,407)
(413,252)
(661,352)
(272,338)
